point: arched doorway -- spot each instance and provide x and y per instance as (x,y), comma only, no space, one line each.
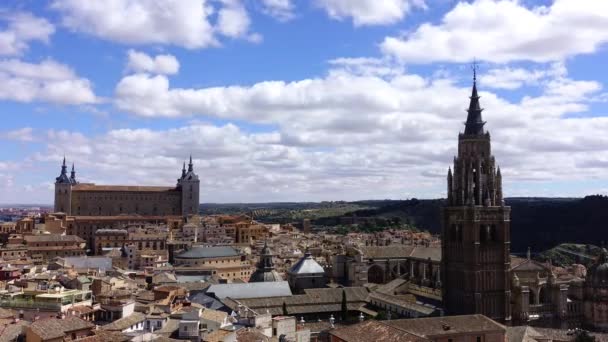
(375,274)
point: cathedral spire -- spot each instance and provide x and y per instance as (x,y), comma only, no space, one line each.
(190,165)
(474,123)
(184,170)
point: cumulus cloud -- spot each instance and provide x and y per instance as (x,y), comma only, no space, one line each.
(160,64)
(369,12)
(185,23)
(47,81)
(233,21)
(371,123)
(283,10)
(507,77)
(21,29)
(505,30)
(24,134)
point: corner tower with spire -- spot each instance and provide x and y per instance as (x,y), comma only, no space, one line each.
(190,187)
(476,226)
(63,189)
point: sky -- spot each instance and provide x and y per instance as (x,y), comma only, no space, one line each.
(293,100)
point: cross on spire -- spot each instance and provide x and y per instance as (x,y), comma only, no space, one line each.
(474,67)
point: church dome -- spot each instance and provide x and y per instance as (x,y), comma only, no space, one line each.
(265,271)
(306,265)
(598,273)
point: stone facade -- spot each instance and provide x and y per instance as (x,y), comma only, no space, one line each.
(380,264)
(476,228)
(87,199)
(596,294)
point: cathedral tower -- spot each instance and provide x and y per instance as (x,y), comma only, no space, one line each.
(63,190)
(476,227)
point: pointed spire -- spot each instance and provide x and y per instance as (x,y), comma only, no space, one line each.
(184,170)
(73,175)
(474,123)
(64,168)
(190,165)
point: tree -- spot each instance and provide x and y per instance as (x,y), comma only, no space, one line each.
(284,309)
(344,307)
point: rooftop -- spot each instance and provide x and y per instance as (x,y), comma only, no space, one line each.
(306,265)
(250,290)
(374,331)
(123,188)
(52,328)
(447,325)
(198,252)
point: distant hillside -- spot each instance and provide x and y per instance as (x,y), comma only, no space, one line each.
(569,253)
(541,223)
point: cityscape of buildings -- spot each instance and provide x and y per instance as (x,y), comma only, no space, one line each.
(140,263)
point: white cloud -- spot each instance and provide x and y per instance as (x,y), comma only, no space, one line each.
(160,64)
(47,81)
(383,129)
(507,77)
(233,20)
(185,23)
(24,134)
(23,28)
(369,12)
(283,10)
(505,30)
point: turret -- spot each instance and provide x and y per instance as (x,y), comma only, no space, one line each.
(63,190)
(190,187)
(73,175)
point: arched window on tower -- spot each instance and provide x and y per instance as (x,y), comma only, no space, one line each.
(483,233)
(460,233)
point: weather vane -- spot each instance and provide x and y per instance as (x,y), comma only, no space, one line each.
(474,67)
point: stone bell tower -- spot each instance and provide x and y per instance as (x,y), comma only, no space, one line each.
(476,227)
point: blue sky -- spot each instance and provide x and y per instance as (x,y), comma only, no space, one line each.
(285,100)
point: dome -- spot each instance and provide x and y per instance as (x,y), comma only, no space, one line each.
(306,265)
(260,276)
(598,273)
(265,271)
